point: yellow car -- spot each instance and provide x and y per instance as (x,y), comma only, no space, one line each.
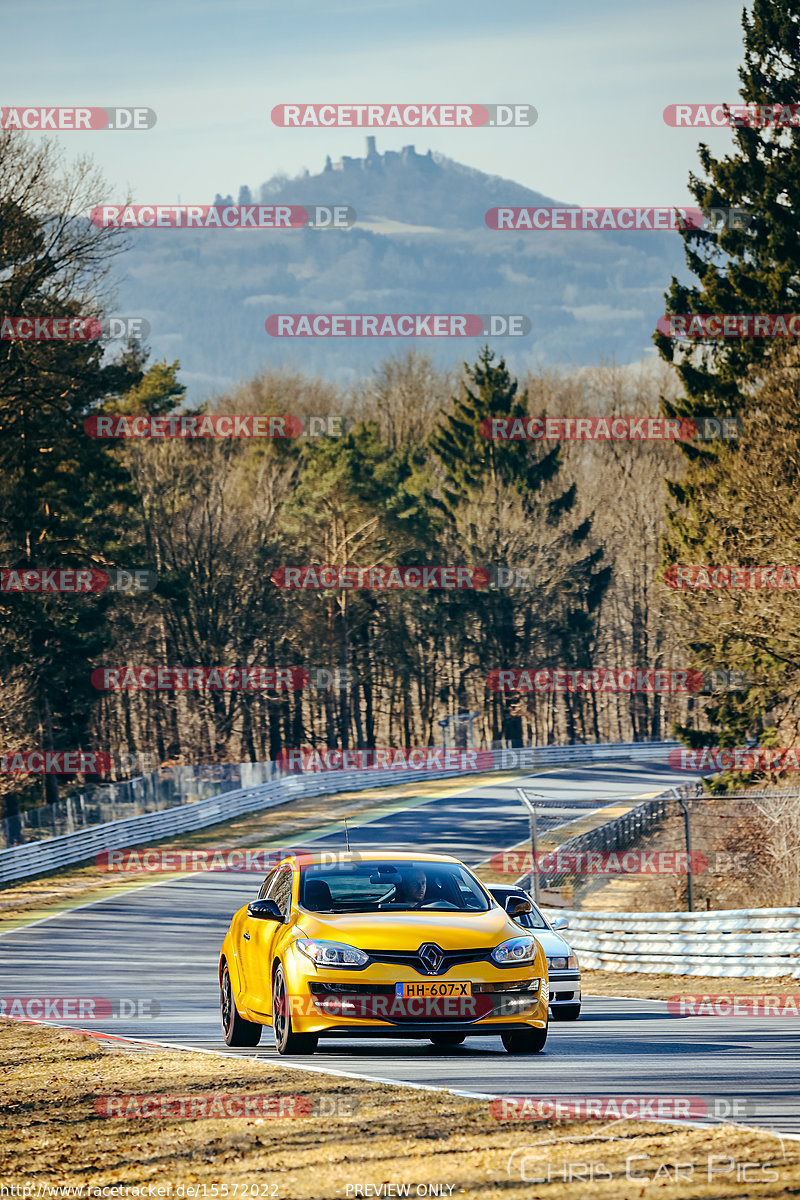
(380,945)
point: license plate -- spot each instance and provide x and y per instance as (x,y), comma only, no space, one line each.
(433,989)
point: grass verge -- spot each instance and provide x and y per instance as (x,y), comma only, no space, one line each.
(360,1134)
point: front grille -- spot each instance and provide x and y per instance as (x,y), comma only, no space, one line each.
(411,958)
(527,985)
(337,989)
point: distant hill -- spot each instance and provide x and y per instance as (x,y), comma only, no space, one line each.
(420,245)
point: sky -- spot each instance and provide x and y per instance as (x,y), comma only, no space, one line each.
(599,76)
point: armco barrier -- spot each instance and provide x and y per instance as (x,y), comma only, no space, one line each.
(21,862)
(735,943)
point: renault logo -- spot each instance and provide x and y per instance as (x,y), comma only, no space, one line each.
(431,957)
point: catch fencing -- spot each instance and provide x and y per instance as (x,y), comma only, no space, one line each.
(616,834)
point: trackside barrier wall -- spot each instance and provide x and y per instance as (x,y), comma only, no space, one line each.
(734,943)
(22,862)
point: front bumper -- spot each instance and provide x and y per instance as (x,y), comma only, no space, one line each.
(565,988)
(335,1002)
(414,1031)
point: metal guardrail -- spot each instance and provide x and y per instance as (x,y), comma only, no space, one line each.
(36,858)
(733,943)
(154,791)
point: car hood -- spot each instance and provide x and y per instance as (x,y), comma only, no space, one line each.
(408,931)
(552,943)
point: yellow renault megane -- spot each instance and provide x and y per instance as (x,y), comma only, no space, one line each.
(380,945)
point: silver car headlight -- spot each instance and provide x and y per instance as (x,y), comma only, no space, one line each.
(518,950)
(556,963)
(331,954)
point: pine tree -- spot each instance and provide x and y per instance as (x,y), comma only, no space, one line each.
(754,269)
(504,509)
(65,499)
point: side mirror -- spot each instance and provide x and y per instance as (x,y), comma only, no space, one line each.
(516,906)
(265,910)
(559,923)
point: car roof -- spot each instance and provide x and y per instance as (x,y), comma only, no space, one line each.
(371,856)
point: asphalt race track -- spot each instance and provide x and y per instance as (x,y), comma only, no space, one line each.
(161,943)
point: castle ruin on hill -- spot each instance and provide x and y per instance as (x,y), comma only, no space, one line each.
(372,161)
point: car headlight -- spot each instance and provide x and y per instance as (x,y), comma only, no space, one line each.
(563,964)
(331,954)
(516,950)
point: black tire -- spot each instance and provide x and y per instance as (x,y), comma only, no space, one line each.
(566,1012)
(235,1030)
(528,1041)
(447,1039)
(287,1042)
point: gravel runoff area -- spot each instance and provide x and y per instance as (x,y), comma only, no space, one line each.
(81,1116)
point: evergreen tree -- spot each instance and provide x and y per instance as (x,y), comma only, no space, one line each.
(65,499)
(753,269)
(505,509)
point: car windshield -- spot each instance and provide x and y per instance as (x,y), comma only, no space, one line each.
(389,887)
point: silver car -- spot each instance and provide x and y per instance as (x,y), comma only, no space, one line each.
(562,964)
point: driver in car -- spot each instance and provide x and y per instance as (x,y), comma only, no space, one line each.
(412,887)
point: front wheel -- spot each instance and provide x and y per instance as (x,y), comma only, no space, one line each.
(526,1041)
(566,1012)
(235,1030)
(286,1041)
